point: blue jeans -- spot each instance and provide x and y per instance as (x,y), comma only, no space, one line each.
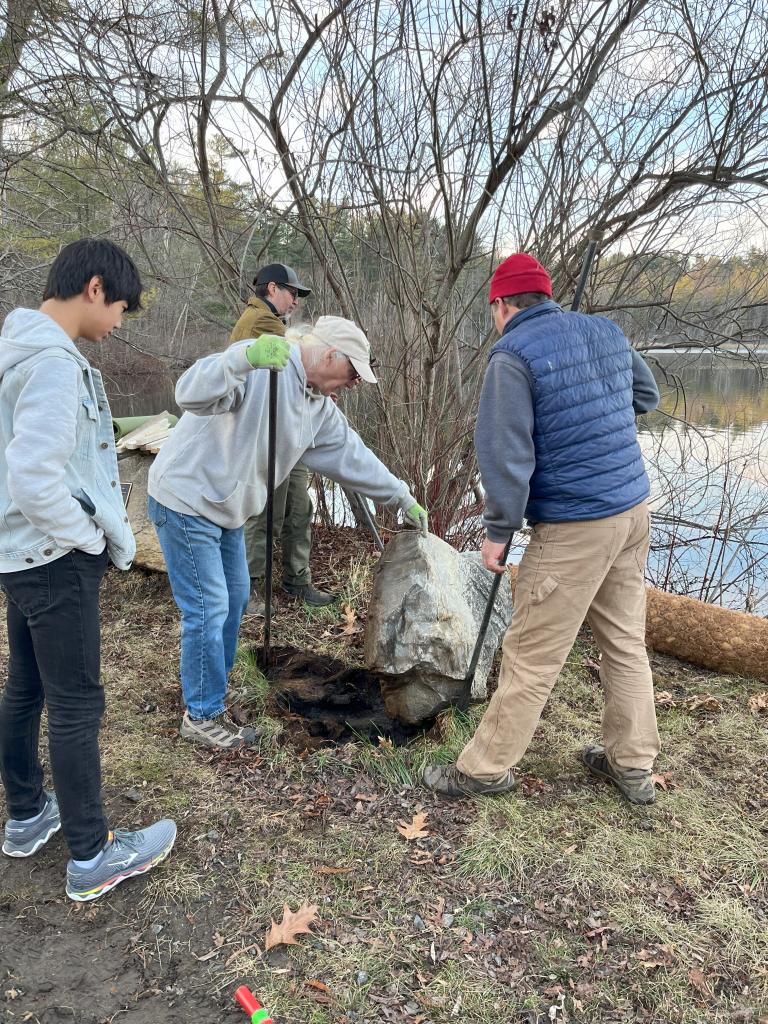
(208,573)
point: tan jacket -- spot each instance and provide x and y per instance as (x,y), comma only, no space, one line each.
(257,319)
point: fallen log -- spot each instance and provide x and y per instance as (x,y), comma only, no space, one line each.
(721,639)
(707,635)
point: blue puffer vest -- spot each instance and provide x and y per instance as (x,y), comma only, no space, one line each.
(588,461)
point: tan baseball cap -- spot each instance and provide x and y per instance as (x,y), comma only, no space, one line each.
(347,337)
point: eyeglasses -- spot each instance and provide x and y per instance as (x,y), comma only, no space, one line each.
(287,288)
(372,362)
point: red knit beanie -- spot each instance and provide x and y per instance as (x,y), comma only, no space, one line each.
(517,274)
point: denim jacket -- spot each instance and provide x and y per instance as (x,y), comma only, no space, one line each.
(59,484)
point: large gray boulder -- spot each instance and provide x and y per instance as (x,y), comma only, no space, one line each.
(423,622)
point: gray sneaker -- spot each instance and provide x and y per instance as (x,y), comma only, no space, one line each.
(447,780)
(23,839)
(220,732)
(635,783)
(125,854)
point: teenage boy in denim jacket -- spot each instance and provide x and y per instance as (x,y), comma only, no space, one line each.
(62,521)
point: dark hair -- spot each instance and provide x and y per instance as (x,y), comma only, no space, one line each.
(79,261)
(261,290)
(526,299)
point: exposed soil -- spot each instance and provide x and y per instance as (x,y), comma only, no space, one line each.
(325,701)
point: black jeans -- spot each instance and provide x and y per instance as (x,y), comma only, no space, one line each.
(54,639)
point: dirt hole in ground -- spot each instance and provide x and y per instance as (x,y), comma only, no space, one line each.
(324,701)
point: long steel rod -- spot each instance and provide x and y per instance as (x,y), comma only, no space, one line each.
(467,685)
(272,447)
(360,505)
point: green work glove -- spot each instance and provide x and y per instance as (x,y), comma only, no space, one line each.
(418,516)
(268,352)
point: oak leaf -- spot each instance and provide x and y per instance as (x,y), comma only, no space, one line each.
(351,621)
(319,986)
(664,699)
(699,981)
(758,702)
(703,702)
(664,782)
(292,924)
(420,858)
(414,829)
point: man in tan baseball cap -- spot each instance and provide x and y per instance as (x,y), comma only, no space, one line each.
(347,338)
(211,477)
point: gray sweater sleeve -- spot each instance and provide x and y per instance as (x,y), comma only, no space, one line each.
(645,391)
(504,444)
(338,452)
(215,384)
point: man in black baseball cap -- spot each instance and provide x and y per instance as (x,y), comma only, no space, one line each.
(277,292)
(282,276)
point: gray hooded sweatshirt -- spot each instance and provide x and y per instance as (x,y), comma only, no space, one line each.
(59,488)
(214,463)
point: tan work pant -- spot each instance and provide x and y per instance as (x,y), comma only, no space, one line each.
(569,571)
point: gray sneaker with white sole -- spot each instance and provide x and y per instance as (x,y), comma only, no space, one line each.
(220,732)
(125,855)
(23,838)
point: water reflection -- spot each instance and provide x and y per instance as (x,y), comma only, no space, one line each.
(707,451)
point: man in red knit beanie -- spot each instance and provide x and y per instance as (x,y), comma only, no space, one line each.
(557,445)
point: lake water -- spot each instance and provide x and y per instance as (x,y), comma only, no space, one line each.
(707,455)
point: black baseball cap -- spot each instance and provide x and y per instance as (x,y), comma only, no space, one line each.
(281,274)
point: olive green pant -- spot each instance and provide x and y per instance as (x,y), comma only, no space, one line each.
(572,571)
(292,527)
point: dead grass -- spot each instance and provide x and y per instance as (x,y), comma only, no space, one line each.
(556,903)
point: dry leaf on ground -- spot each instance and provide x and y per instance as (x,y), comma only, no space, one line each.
(414,829)
(292,924)
(698,979)
(703,702)
(663,781)
(664,699)
(758,702)
(351,621)
(319,986)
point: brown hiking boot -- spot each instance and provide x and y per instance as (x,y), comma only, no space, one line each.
(636,784)
(309,595)
(447,780)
